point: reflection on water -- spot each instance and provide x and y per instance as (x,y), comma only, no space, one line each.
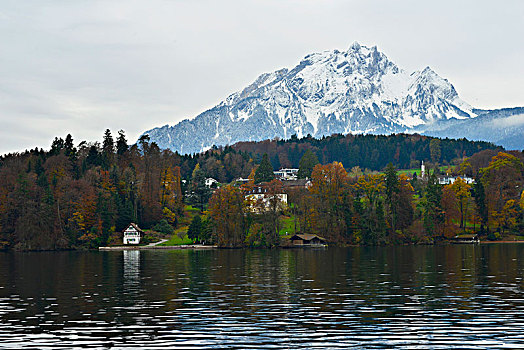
(131,267)
(389,297)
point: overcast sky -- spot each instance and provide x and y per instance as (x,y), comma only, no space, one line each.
(79,67)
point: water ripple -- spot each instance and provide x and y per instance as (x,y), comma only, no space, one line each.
(406,298)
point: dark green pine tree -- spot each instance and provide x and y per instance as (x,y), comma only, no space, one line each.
(480,201)
(57,146)
(93,157)
(306,164)
(121,143)
(264,171)
(194,228)
(206,232)
(108,149)
(200,193)
(392,190)
(69,147)
(71,152)
(431,203)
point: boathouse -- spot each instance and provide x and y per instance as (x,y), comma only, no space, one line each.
(307,239)
(133,234)
(471,238)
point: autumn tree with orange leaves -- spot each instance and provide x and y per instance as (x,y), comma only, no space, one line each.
(369,206)
(329,195)
(502,179)
(226,208)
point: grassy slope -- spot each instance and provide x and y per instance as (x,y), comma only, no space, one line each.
(175,240)
(288,226)
(185,221)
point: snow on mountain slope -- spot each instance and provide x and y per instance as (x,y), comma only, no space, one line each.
(355,91)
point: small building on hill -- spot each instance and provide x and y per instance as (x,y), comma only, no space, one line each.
(133,234)
(286,174)
(448,180)
(212,183)
(296,184)
(262,200)
(307,239)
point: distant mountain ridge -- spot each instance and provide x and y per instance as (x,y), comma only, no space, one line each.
(503,127)
(355,91)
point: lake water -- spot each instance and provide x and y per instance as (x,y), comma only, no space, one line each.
(465,296)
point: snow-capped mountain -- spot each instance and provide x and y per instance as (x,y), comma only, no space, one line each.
(355,91)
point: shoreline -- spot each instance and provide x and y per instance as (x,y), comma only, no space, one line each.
(158,247)
(503,242)
(209,247)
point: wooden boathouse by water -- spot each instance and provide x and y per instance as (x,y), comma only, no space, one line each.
(307,239)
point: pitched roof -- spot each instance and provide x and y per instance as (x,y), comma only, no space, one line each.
(306,237)
(135,226)
(295,183)
(470,236)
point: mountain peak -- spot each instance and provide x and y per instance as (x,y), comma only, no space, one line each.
(354,91)
(355,46)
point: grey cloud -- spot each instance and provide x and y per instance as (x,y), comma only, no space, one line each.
(81,66)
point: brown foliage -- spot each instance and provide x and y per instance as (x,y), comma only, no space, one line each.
(226,209)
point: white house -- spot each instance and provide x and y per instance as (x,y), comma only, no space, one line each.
(261,200)
(210,182)
(448,180)
(241,181)
(286,174)
(132,234)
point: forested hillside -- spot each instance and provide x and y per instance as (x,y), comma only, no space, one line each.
(372,152)
(75,196)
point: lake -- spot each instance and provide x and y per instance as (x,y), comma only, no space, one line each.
(466,296)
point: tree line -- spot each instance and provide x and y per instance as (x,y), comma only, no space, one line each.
(83,195)
(371,152)
(383,208)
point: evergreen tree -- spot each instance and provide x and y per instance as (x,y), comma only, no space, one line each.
(194,228)
(306,164)
(435,150)
(200,193)
(39,169)
(164,227)
(69,147)
(392,190)
(144,140)
(433,215)
(480,201)
(71,153)
(121,143)
(206,231)
(108,149)
(93,157)
(264,171)
(125,213)
(275,161)
(57,146)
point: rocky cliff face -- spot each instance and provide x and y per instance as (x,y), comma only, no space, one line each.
(355,91)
